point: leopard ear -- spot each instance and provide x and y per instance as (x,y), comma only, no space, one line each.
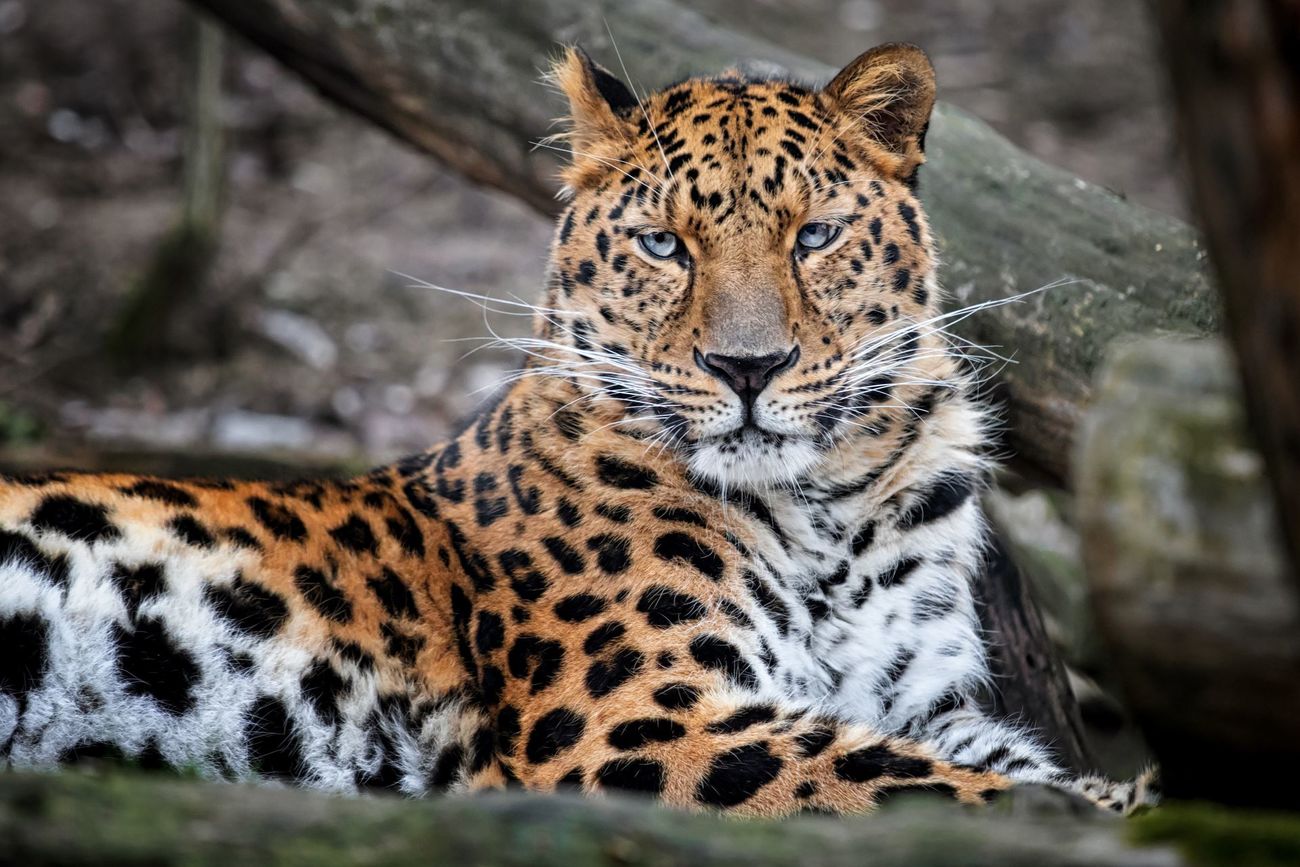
(599,102)
(890,91)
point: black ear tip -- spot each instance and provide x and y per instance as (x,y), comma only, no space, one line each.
(614,91)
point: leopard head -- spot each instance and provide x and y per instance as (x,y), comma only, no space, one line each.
(743,265)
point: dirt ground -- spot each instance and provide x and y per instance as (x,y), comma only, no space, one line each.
(307,341)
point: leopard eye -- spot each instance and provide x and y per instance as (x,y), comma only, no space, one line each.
(815,236)
(661,245)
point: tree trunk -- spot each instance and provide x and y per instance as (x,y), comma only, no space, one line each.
(459,79)
(1236,78)
(129,819)
(1188,576)
(159,317)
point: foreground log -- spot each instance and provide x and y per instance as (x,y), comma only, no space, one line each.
(130,819)
(1188,574)
(1236,79)
(459,79)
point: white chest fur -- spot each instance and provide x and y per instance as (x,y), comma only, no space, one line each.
(869,613)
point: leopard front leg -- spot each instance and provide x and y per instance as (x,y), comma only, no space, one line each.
(965,734)
(969,737)
(683,711)
(1120,797)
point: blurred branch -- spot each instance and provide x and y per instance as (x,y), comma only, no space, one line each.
(1235,68)
(203,148)
(460,80)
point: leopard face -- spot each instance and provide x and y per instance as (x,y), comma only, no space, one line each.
(744,269)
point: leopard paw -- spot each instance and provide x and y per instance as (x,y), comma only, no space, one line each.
(1121,797)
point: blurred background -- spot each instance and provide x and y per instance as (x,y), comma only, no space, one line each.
(302,346)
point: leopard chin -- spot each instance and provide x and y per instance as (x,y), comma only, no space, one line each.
(753,459)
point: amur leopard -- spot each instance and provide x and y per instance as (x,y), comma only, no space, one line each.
(716,543)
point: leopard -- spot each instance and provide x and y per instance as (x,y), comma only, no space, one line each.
(716,543)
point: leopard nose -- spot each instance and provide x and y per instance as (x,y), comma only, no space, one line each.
(748,375)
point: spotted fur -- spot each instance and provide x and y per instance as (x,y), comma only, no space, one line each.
(624,573)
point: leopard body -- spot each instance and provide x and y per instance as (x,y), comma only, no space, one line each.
(647,564)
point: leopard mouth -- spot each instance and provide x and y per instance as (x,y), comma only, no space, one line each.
(749,441)
(750,457)
(747,435)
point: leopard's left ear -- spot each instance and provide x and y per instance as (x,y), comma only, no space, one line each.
(889,90)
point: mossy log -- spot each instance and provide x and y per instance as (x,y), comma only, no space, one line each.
(460,80)
(129,818)
(1188,573)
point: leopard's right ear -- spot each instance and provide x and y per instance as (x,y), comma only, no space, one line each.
(888,93)
(599,103)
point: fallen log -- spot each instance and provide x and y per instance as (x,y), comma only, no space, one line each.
(132,819)
(460,80)
(1188,574)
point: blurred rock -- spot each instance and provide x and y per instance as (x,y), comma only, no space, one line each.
(237,430)
(302,336)
(1188,579)
(154,429)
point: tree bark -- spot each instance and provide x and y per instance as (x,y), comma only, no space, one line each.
(460,80)
(131,819)
(1029,676)
(1235,68)
(1188,574)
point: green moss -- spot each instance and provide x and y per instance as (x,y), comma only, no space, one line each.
(1214,836)
(17,427)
